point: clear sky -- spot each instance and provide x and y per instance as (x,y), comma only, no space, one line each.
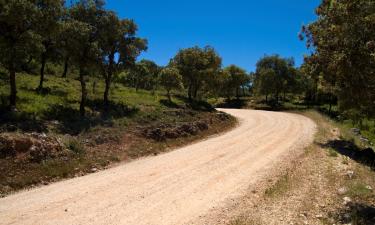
(241,31)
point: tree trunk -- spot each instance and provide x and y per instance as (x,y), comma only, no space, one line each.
(65,72)
(190,92)
(266,98)
(195,93)
(169,95)
(106,90)
(237,93)
(83,92)
(108,79)
(43,65)
(277,97)
(13,88)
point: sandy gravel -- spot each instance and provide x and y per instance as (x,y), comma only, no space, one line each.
(173,188)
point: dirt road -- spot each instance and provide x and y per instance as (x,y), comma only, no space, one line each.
(173,188)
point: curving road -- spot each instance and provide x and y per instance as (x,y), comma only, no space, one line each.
(173,188)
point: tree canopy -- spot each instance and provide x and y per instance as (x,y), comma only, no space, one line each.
(197,66)
(342,40)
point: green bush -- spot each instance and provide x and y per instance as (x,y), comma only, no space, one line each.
(75,146)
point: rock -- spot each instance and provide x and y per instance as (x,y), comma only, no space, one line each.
(319,216)
(93,170)
(355,131)
(368,187)
(350,174)
(364,140)
(202,125)
(342,190)
(347,200)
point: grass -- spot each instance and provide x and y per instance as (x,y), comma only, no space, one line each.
(75,146)
(281,186)
(332,153)
(327,129)
(359,189)
(103,138)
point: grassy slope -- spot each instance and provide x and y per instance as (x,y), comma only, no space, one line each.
(101,139)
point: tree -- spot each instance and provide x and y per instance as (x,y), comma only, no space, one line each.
(265,82)
(237,79)
(170,79)
(117,39)
(272,75)
(49,29)
(151,74)
(196,65)
(342,40)
(19,40)
(83,30)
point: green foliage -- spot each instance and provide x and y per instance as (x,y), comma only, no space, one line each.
(275,76)
(344,52)
(49,27)
(75,146)
(235,78)
(19,41)
(143,75)
(170,79)
(198,67)
(117,38)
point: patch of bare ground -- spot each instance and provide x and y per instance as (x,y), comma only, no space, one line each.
(31,160)
(320,186)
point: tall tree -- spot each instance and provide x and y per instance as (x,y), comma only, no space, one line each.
(342,40)
(238,78)
(117,40)
(276,70)
(49,29)
(196,65)
(170,79)
(83,30)
(19,40)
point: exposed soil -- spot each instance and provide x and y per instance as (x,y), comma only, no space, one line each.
(31,159)
(173,188)
(320,186)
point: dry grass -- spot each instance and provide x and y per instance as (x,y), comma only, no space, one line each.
(307,193)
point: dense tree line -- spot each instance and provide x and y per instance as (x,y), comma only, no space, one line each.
(343,59)
(275,77)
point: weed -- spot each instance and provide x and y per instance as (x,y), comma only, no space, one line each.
(360,190)
(75,146)
(332,153)
(280,187)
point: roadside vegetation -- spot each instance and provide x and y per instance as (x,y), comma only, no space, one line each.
(75,98)
(322,186)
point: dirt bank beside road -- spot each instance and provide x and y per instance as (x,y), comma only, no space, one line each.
(172,188)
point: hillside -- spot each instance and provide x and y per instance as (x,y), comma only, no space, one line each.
(46,139)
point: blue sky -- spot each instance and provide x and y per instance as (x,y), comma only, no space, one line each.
(241,31)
